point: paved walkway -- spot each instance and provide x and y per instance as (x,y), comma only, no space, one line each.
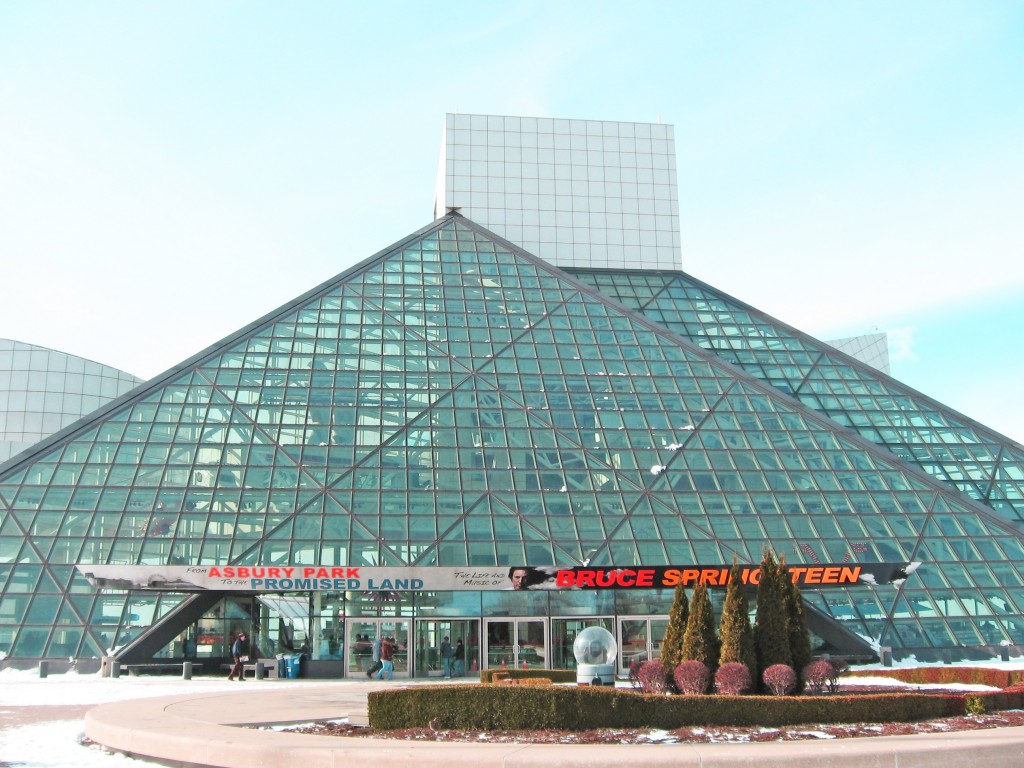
(201,731)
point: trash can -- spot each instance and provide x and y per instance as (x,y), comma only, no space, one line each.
(282,666)
(293,666)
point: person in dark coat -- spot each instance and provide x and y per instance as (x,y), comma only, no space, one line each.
(460,658)
(240,653)
(446,656)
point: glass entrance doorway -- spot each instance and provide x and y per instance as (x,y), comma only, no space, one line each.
(361,635)
(640,640)
(464,636)
(563,635)
(519,643)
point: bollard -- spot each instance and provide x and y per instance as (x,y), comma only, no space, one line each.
(886,654)
(44,668)
(186,670)
(1004,653)
(947,656)
(259,670)
(115,668)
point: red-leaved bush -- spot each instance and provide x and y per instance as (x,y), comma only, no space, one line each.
(733,679)
(653,677)
(817,675)
(780,679)
(839,668)
(692,677)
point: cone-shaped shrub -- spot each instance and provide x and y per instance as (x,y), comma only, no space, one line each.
(733,678)
(699,642)
(771,626)
(779,679)
(672,644)
(692,678)
(796,625)
(735,635)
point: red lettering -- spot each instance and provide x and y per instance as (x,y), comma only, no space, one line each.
(585,578)
(565,578)
(709,576)
(214,572)
(797,573)
(690,575)
(814,575)
(645,577)
(831,576)
(850,575)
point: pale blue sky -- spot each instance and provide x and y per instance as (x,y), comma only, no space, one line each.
(171,171)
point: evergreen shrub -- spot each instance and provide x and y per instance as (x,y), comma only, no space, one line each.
(556,675)
(575,708)
(997,678)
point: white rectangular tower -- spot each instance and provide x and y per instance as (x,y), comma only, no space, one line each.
(576,193)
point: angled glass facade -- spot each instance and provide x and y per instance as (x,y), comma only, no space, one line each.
(455,401)
(949,446)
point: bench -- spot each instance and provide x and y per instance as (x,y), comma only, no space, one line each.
(269,667)
(134,670)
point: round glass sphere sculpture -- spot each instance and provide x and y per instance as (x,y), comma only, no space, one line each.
(595,645)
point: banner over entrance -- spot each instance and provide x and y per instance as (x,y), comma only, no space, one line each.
(336,578)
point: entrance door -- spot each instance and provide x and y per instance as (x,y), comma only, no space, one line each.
(361,635)
(563,635)
(519,643)
(430,633)
(640,640)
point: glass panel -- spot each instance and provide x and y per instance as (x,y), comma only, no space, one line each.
(633,643)
(532,650)
(362,636)
(463,636)
(563,634)
(500,643)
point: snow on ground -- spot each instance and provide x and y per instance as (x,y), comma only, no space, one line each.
(58,743)
(20,687)
(55,745)
(852,682)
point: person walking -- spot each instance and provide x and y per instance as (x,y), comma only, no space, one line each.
(387,656)
(376,665)
(446,656)
(240,654)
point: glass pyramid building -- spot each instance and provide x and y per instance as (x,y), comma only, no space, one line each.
(453,402)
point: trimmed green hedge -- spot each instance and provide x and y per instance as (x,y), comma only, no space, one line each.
(556,675)
(997,678)
(495,707)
